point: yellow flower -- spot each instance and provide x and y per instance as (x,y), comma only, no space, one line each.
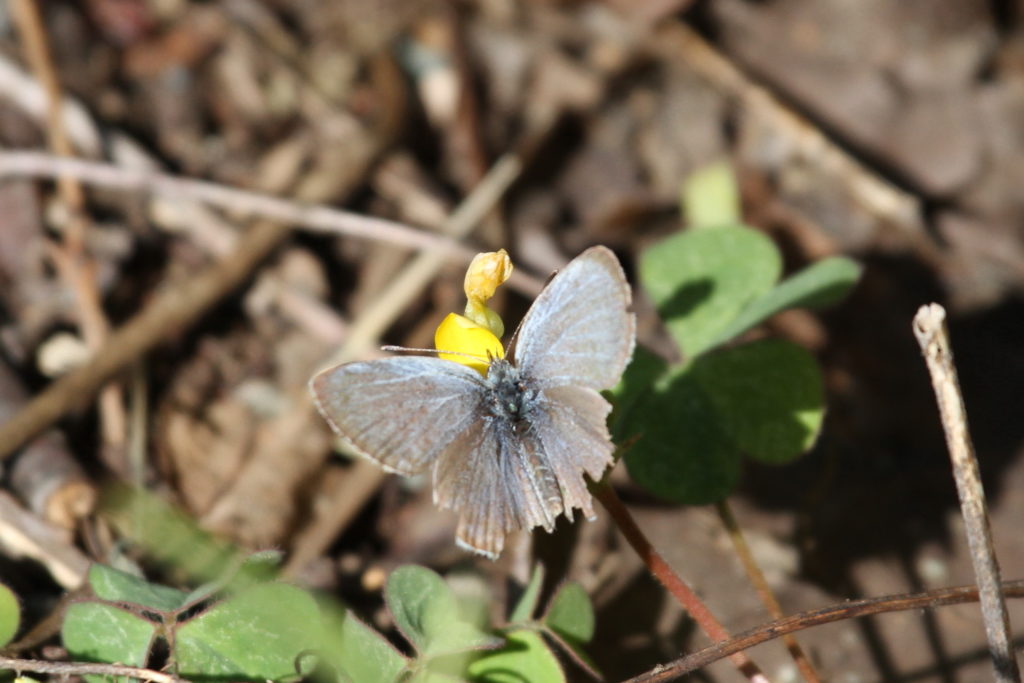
(477,334)
(458,333)
(485,273)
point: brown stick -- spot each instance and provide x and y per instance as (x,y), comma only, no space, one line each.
(672,582)
(930,330)
(168,315)
(65,669)
(675,40)
(72,262)
(764,591)
(826,615)
(319,218)
(23,534)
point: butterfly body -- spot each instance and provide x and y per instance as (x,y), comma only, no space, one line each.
(510,398)
(510,450)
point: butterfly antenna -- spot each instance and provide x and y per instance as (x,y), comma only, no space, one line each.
(406,349)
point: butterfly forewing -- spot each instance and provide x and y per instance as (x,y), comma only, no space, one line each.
(402,412)
(579,330)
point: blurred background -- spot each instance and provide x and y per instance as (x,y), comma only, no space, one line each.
(888,131)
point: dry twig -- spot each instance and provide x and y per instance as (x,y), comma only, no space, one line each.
(826,615)
(76,269)
(23,534)
(168,315)
(930,330)
(674,39)
(65,669)
(246,203)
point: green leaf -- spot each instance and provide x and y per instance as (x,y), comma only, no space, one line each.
(112,584)
(95,632)
(524,659)
(427,614)
(700,280)
(10,615)
(570,614)
(259,567)
(681,452)
(767,395)
(255,635)
(710,197)
(167,534)
(641,373)
(819,285)
(357,651)
(527,604)
(428,675)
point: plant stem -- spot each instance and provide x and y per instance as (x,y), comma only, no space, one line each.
(672,582)
(764,591)
(850,609)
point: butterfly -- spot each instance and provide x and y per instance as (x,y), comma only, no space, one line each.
(508,450)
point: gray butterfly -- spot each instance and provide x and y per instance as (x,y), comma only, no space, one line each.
(507,451)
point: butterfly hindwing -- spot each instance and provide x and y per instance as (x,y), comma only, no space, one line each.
(495,486)
(573,434)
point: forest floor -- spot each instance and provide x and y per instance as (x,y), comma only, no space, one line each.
(889,132)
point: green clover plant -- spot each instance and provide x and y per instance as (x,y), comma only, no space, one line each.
(688,424)
(274,631)
(243,624)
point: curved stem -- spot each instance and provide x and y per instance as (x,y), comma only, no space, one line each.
(672,582)
(826,615)
(764,591)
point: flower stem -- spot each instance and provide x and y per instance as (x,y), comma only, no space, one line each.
(672,582)
(764,591)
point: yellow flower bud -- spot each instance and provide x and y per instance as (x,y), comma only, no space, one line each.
(458,333)
(485,273)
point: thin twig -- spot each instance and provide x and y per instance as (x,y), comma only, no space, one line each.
(65,669)
(676,40)
(238,202)
(826,615)
(168,315)
(76,268)
(23,534)
(764,591)
(672,582)
(930,330)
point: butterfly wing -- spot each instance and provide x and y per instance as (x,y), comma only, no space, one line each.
(401,412)
(579,331)
(570,436)
(495,486)
(499,480)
